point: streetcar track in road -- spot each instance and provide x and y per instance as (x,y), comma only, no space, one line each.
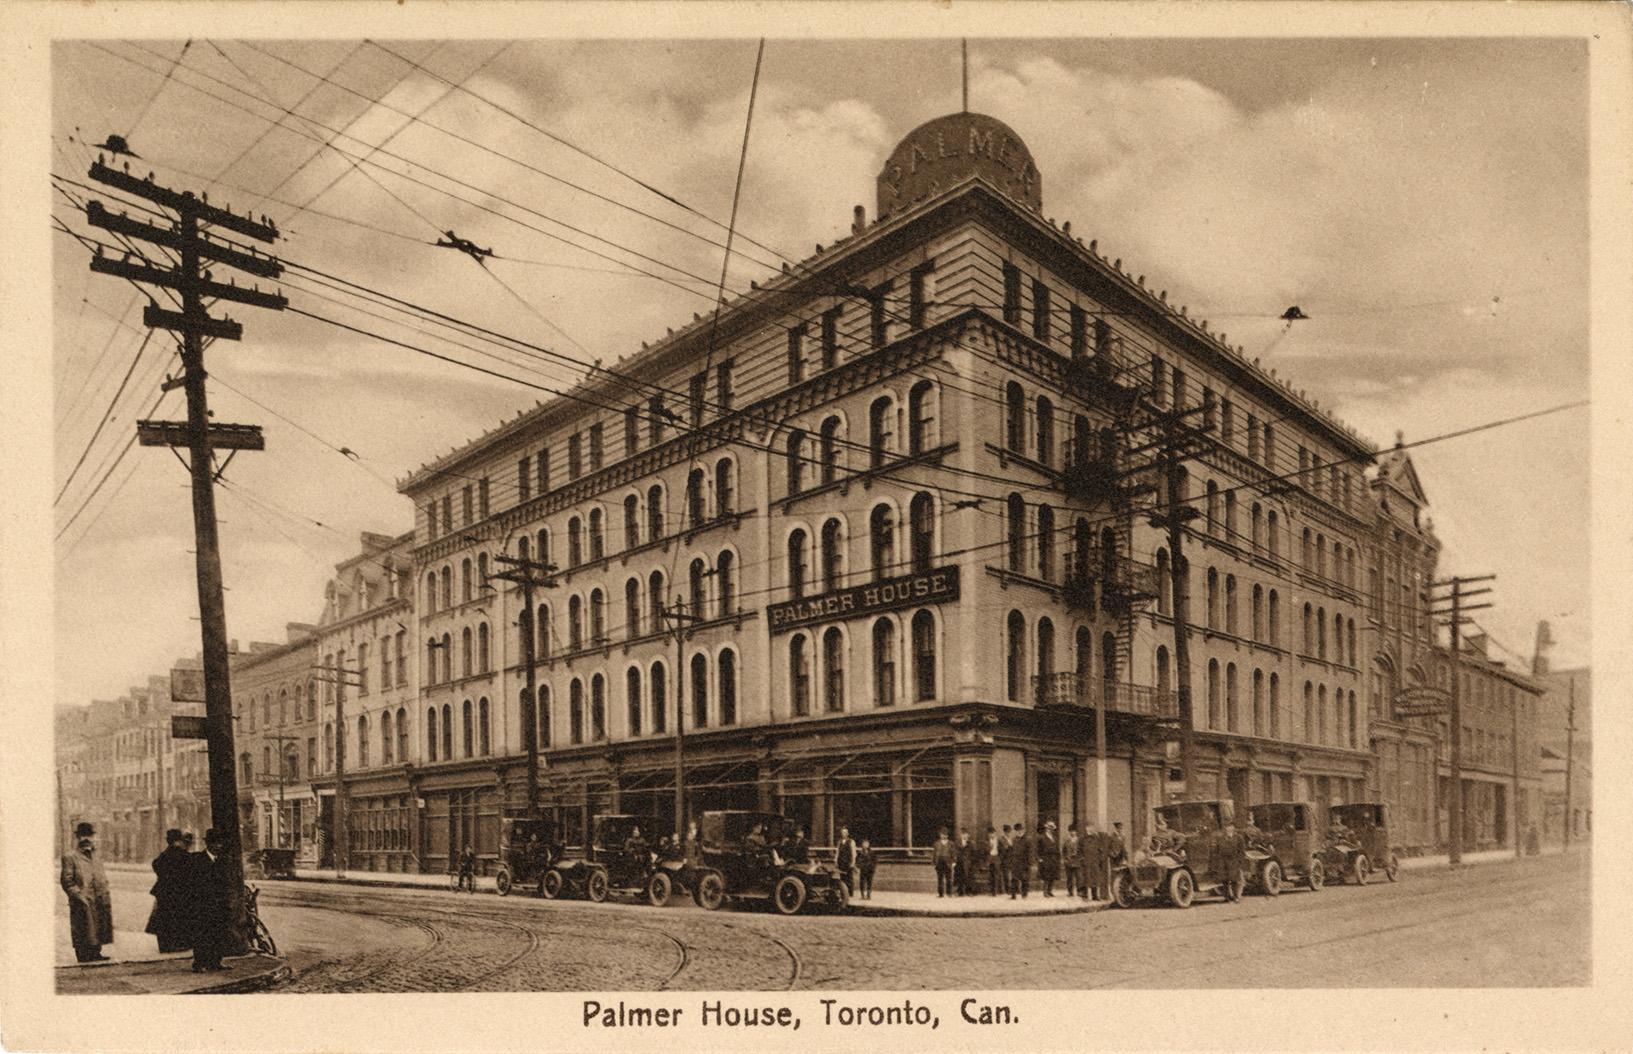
(683,953)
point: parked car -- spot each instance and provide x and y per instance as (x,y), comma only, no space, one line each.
(1194,855)
(734,866)
(1292,845)
(527,850)
(614,863)
(1368,848)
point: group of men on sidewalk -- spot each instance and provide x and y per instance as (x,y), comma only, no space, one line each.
(1008,858)
(190,899)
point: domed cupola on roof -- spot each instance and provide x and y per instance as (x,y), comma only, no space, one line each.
(946,151)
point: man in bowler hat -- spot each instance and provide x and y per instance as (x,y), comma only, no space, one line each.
(90,907)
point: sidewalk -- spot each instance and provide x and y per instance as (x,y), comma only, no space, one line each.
(1471,859)
(135,967)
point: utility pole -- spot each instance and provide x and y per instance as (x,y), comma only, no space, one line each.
(340,677)
(1514,744)
(522,573)
(1570,757)
(198,434)
(679,616)
(1457,615)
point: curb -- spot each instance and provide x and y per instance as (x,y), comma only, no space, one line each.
(972,913)
(258,983)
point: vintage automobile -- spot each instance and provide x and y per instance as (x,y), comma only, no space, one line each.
(611,864)
(731,866)
(1292,849)
(1193,855)
(1368,848)
(527,850)
(271,863)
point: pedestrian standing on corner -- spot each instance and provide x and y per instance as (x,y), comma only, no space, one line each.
(208,895)
(1006,859)
(1048,859)
(866,862)
(90,908)
(467,870)
(1021,858)
(1071,856)
(966,862)
(944,855)
(169,918)
(994,862)
(845,860)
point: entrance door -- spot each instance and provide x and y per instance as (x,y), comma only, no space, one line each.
(1048,799)
(1240,786)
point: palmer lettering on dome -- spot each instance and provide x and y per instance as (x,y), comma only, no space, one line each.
(946,150)
(936,586)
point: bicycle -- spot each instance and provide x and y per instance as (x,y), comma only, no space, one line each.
(260,938)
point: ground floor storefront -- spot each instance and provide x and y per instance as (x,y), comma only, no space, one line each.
(1404,779)
(1496,808)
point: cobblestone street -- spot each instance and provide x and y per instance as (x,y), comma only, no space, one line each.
(1522,923)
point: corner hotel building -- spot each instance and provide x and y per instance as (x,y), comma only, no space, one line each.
(883,492)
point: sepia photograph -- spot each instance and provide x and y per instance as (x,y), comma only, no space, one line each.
(944,513)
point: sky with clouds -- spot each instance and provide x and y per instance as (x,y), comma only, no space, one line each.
(1424,202)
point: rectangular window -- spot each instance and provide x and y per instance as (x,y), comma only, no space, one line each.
(655,413)
(632,429)
(468,503)
(830,337)
(1159,384)
(1209,410)
(1227,421)
(917,298)
(878,318)
(524,479)
(1012,294)
(482,497)
(431,520)
(544,471)
(1040,309)
(596,448)
(796,354)
(1179,388)
(696,396)
(722,387)
(1253,437)
(575,444)
(1080,332)
(448,512)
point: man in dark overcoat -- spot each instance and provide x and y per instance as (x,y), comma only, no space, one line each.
(1022,855)
(211,916)
(1048,859)
(170,918)
(90,907)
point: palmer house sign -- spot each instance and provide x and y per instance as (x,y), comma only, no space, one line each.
(936,586)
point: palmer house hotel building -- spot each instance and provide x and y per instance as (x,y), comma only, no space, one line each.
(884,495)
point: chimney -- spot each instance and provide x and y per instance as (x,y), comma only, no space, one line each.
(859,219)
(1545,643)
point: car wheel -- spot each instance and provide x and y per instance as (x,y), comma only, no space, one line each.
(595,886)
(1362,869)
(1393,869)
(710,892)
(1122,890)
(841,896)
(551,885)
(502,882)
(658,890)
(1181,888)
(1317,876)
(1271,879)
(789,895)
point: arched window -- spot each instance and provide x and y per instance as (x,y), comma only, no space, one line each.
(546,629)
(447,587)
(828,449)
(833,669)
(431,591)
(482,648)
(796,564)
(1015,664)
(524,547)
(402,735)
(632,522)
(1046,543)
(575,542)
(1082,661)
(266,751)
(655,603)
(467,727)
(924,656)
(1233,713)
(598,534)
(700,691)
(484,739)
(660,687)
(654,512)
(465,652)
(598,707)
(1256,526)
(575,711)
(833,554)
(1306,559)
(1046,431)
(247,766)
(543,555)
(794,462)
(598,617)
(884,662)
(880,416)
(312,688)
(1272,535)
(695,514)
(465,580)
(283,697)
(1165,585)
(698,596)
(921,527)
(1213,694)
(1015,527)
(1213,508)
(1230,603)
(1309,712)
(447,658)
(575,622)
(1274,636)
(1108,662)
(1308,636)
(632,608)
(1273,710)
(544,716)
(1354,721)
(1046,658)
(447,732)
(725,498)
(1322,731)
(882,540)
(1321,555)
(1257,626)
(1256,716)
(799,675)
(1213,598)
(1230,517)
(385,738)
(728,687)
(1015,418)
(725,583)
(633,700)
(430,735)
(1353,661)
(1165,678)
(328,746)
(920,418)
(1321,633)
